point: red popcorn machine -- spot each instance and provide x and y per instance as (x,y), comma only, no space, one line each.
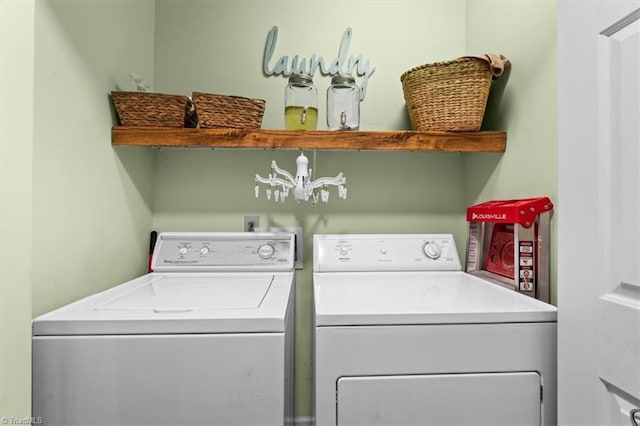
(508,244)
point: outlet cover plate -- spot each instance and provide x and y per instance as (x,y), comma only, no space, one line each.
(249,220)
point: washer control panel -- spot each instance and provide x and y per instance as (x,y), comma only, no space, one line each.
(242,251)
(378,252)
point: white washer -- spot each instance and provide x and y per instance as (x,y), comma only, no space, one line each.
(403,337)
(207,338)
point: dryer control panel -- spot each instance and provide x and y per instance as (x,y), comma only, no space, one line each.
(220,251)
(385,252)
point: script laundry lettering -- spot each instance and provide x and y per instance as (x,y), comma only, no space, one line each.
(340,65)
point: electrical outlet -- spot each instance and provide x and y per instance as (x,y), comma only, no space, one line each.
(299,242)
(251,223)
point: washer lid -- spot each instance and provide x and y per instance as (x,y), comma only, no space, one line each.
(168,293)
(387,298)
(178,303)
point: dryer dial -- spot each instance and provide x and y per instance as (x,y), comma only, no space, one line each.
(432,250)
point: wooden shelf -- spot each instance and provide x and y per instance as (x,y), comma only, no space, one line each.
(484,141)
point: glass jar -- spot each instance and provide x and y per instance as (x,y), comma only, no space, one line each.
(300,103)
(343,103)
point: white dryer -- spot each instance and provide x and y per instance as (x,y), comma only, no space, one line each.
(403,337)
(205,339)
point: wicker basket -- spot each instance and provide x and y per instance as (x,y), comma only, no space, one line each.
(449,96)
(153,109)
(221,111)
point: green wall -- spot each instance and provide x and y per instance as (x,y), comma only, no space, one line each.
(76,213)
(388,192)
(16,154)
(76,218)
(523,104)
(91,202)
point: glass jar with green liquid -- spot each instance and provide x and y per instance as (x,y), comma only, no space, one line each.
(300,103)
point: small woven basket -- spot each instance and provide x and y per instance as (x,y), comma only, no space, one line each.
(221,111)
(153,109)
(449,96)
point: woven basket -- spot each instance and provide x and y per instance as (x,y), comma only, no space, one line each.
(449,96)
(153,109)
(221,111)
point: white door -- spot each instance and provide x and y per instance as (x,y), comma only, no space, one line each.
(599,212)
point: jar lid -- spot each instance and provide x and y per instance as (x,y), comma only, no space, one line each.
(301,78)
(343,79)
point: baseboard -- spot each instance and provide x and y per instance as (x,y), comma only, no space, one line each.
(303,421)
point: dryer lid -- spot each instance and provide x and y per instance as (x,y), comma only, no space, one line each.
(393,298)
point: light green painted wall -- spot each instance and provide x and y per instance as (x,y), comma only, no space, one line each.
(75,212)
(524,104)
(217,46)
(91,202)
(16,152)
(388,192)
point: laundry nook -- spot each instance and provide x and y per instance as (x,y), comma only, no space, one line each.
(319,213)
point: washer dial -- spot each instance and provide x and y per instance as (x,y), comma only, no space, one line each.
(265,251)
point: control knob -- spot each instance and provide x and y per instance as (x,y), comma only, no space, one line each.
(265,251)
(432,250)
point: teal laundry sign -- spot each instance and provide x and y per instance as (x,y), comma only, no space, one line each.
(297,64)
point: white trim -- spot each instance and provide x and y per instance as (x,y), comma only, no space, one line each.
(303,421)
